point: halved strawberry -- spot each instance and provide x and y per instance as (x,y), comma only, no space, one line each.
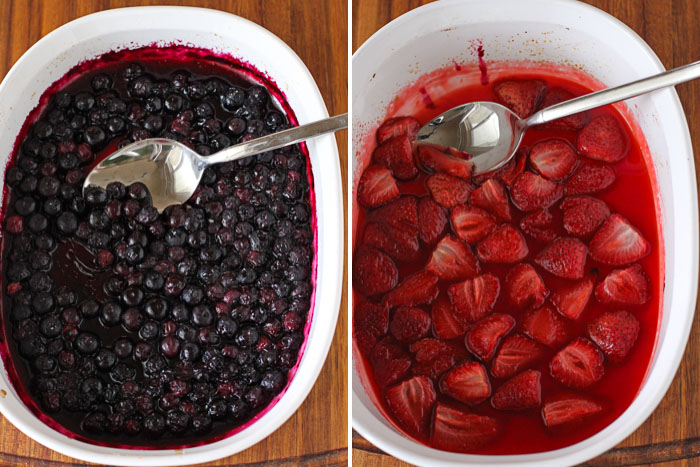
(411,402)
(627,286)
(602,139)
(401,213)
(517,353)
(398,126)
(504,245)
(615,332)
(546,326)
(531,192)
(508,173)
(417,289)
(553,158)
(521,96)
(369,323)
(373,272)
(520,392)
(578,365)
(399,244)
(471,224)
(564,257)
(493,197)
(438,161)
(571,300)
(466,383)
(483,338)
(409,324)
(446,323)
(376,187)
(539,225)
(569,409)
(618,242)
(433,357)
(432,220)
(457,430)
(389,361)
(474,298)
(589,177)
(572,122)
(582,215)
(453,260)
(448,191)
(524,287)
(396,154)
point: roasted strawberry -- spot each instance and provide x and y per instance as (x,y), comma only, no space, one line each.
(438,161)
(564,257)
(589,177)
(432,220)
(615,332)
(539,225)
(567,409)
(409,324)
(411,402)
(474,298)
(504,245)
(373,272)
(376,187)
(369,323)
(396,154)
(401,213)
(466,383)
(399,244)
(572,122)
(493,197)
(531,192)
(554,159)
(627,286)
(448,191)
(446,323)
(618,242)
(578,365)
(398,126)
(517,353)
(520,96)
(510,172)
(602,139)
(471,224)
(453,260)
(524,287)
(418,289)
(457,430)
(483,338)
(582,215)
(545,326)
(389,361)
(433,357)
(520,392)
(571,300)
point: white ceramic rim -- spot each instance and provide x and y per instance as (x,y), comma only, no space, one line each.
(684,296)
(330,222)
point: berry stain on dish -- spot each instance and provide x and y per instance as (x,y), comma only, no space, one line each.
(516,311)
(128,328)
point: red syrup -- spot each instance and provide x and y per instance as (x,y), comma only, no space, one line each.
(632,195)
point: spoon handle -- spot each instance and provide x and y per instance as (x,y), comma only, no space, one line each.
(611,95)
(278,140)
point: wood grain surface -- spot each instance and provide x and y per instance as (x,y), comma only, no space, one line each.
(671,435)
(317,31)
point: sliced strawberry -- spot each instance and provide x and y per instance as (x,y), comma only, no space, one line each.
(466,383)
(624,287)
(457,430)
(401,213)
(446,323)
(453,260)
(373,272)
(546,326)
(572,122)
(396,154)
(520,96)
(438,161)
(432,220)
(369,323)
(504,245)
(471,224)
(531,192)
(398,126)
(615,332)
(510,172)
(602,139)
(411,402)
(554,159)
(474,298)
(429,349)
(524,287)
(376,187)
(399,244)
(589,177)
(409,324)
(417,289)
(520,392)
(492,196)
(571,300)
(517,353)
(483,338)
(569,409)
(434,357)
(618,242)
(389,361)
(582,215)
(539,225)
(578,365)
(448,191)
(564,257)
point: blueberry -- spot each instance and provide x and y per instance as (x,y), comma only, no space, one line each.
(110,314)
(156,308)
(87,342)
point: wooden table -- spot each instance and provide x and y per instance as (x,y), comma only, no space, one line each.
(670,27)
(317,433)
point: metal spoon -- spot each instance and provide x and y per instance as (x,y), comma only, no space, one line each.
(490,133)
(172,171)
